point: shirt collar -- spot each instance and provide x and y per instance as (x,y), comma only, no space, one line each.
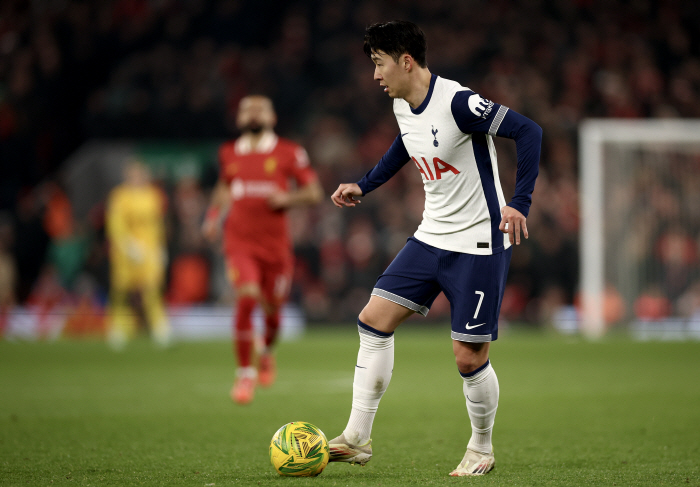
(267,143)
(423,106)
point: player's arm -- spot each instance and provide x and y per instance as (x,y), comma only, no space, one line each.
(528,141)
(218,207)
(118,230)
(503,122)
(309,190)
(115,222)
(390,163)
(309,194)
(161,213)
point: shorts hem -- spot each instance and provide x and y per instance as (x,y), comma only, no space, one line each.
(406,303)
(463,337)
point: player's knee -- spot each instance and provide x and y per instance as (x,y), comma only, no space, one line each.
(383,315)
(470,357)
(366,318)
(375,321)
(466,365)
(248,291)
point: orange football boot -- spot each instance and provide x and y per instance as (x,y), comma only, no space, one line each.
(243,390)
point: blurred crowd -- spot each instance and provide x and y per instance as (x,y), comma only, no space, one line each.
(176,69)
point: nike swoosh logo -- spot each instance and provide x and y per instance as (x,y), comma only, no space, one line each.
(404,134)
(474,326)
(361,367)
(474,402)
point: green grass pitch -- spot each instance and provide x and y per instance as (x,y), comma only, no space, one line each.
(616,412)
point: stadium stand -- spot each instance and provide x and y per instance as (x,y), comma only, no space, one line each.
(134,69)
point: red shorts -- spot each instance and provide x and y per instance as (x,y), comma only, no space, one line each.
(274,276)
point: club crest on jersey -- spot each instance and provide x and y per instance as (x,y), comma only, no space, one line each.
(232,273)
(480,107)
(434,131)
(270,165)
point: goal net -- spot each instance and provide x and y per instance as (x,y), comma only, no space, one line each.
(640,226)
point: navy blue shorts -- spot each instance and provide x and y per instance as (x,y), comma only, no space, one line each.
(473,284)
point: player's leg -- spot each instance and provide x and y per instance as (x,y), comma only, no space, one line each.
(276,284)
(152,300)
(375,363)
(406,287)
(157,319)
(121,317)
(481,391)
(475,293)
(267,366)
(244,274)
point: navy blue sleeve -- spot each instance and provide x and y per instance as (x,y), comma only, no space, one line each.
(474,114)
(528,141)
(390,163)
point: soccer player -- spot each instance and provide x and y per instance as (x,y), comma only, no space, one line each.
(463,245)
(252,196)
(136,234)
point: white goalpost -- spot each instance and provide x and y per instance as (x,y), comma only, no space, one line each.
(637,191)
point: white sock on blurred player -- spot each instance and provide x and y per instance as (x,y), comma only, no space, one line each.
(481,392)
(375,362)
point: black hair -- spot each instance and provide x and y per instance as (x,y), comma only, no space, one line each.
(396,38)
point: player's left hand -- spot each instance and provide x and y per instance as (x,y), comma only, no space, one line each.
(512,222)
(280,200)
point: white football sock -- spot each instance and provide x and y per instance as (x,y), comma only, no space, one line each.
(248,372)
(481,391)
(375,362)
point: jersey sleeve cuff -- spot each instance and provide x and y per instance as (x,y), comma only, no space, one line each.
(524,209)
(363,186)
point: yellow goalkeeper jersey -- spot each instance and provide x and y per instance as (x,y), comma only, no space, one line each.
(135,216)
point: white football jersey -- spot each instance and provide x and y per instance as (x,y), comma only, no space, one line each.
(463,195)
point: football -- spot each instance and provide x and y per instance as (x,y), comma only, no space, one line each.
(299,449)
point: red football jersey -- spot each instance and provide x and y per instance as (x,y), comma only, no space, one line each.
(252,176)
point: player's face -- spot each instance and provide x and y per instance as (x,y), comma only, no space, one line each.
(136,174)
(390,74)
(255,114)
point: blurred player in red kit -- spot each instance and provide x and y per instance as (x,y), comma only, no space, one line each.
(251,199)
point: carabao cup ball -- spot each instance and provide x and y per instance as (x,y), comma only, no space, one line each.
(299,449)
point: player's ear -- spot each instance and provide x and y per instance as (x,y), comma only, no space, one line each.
(407,62)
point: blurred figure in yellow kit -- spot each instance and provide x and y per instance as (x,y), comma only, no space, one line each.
(137,255)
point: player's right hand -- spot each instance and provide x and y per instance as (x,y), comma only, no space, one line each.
(134,251)
(344,195)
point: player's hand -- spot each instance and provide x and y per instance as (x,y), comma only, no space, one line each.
(344,195)
(279,201)
(211,229)
(512,222)
(134,251)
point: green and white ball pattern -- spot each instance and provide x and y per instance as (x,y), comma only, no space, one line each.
(299,449)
